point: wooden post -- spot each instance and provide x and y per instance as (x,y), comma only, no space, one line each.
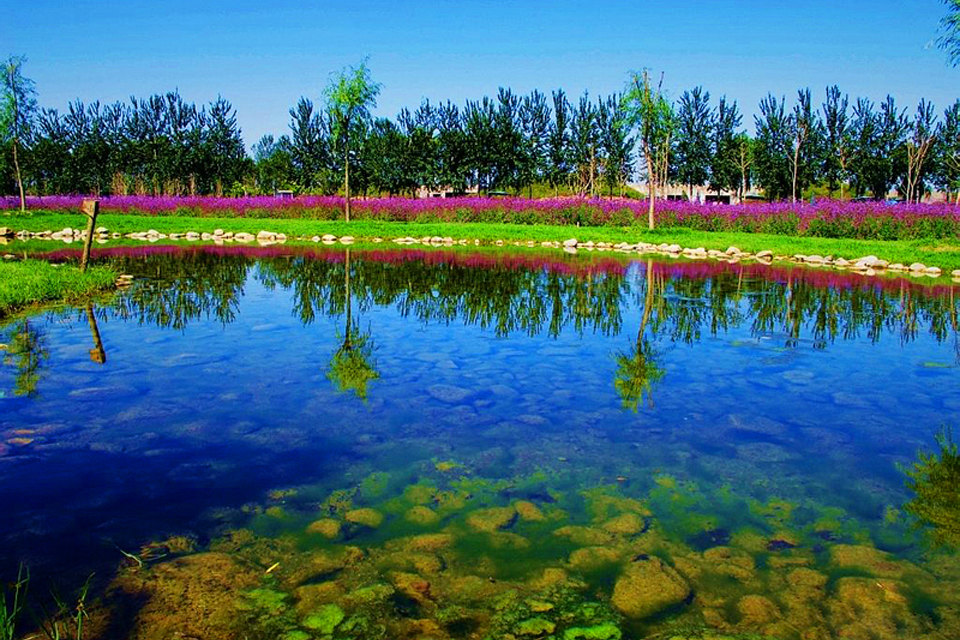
(98,354)
(90,208)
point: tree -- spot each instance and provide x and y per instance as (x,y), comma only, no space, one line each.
(694,128)
(949,39)
(805,127)
(744,147)
(583,145)
(837,138)
(535,124)
(773,147)
(17,113)
(949,151)
(648,109)
(725,159)
(615,143)
(923,132)
(558,142)
(350,95)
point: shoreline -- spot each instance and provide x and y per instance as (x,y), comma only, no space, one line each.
(718,246)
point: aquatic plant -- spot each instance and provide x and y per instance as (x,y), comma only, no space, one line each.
(824,218)
(10,610)
(934,479)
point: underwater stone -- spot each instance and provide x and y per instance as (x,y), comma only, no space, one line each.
(627,524)
(366,517)
(448,393)
(491,519)
(535,627)
(757,610)
(430,542)
(529,511)
(326,527)
(593,558)
(877,562)
(647,587)
(607,631)
(325,620)
(421,515)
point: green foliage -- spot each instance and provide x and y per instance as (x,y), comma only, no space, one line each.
(934,479)
(637,373)
(949,39)
(352,368)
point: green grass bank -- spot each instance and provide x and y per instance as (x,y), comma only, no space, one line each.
(943,253)
(28,282)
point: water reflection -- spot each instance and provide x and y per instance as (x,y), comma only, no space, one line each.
(934,480)
(351,368)
(97,354)
(25,350)
(638,370)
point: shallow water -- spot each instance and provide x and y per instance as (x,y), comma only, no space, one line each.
(601,446)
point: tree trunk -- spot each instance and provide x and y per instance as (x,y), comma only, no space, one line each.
(650,196)
(346,173)
(796,164)
(16,166)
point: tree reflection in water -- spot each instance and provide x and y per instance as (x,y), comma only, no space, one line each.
(934,480)
(26,350)
(638,371)
(351,368)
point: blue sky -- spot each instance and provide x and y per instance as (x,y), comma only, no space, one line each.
(263,55)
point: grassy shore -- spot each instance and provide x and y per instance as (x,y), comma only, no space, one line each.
(34,281)
(933,252)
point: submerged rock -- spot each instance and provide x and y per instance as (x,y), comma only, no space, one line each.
(421,515)
(198,596)
(325,619)
(326,527)
(491,519)
(366,517)
(448,393)
(647,587)
(535,627)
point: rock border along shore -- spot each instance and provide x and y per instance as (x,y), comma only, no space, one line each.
(867,265)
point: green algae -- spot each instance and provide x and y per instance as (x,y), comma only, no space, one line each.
(325,619)
(535,627)
(606,631)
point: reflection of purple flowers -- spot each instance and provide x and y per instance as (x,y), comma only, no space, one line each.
(827,218)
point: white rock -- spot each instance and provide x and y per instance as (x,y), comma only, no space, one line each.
(918,266)
(572,242)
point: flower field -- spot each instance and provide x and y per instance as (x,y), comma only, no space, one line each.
(827,218)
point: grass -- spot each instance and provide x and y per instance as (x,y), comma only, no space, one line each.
(10,611)
(944,253)
(33,281)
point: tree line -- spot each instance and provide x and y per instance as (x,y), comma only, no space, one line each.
(524,144)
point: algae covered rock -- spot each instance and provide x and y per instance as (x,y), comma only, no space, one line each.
(366,517)
(627,524)
(491,519)
(325,619)
(607,631)
(879,563)
(421,515)
(529,511)
(647,587)
(326,527)
(202,595)
(535,627)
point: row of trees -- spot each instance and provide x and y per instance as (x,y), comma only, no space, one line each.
(166,145)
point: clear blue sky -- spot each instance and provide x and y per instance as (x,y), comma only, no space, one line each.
(263,55)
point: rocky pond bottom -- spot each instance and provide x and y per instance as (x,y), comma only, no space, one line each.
(310,443)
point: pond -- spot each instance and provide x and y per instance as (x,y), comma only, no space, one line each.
(381,443)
